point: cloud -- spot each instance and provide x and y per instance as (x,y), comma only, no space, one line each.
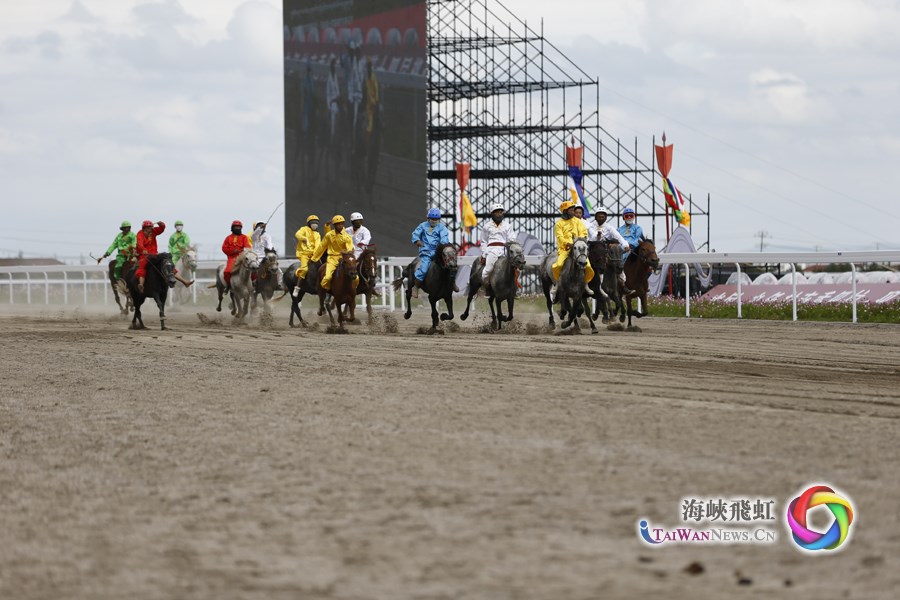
(77,13)
(48,44)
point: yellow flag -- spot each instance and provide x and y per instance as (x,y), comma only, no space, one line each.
(468,214)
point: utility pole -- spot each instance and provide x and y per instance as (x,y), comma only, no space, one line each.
(762,235)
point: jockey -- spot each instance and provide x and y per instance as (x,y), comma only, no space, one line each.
(494,237)
(145,245)
(631,231)
(233,245)
(601,231)
(567,229)
(308,239)
(332,94)
(260,240)
(428,236)
(360,234)
(178,242)
(335,242)
(123,244)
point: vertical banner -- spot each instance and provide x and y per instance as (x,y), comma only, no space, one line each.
(355,115)
(466,212)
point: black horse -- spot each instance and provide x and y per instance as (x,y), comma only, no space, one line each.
(160,277)
(606,258)
(440,280)
(503,284)
(307,286)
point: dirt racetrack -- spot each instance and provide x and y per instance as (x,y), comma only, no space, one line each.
(261,462)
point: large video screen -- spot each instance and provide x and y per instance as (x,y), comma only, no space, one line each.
(355,78)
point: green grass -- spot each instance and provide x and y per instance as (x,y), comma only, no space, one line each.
(888,312)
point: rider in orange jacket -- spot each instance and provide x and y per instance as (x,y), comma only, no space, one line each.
(233,245)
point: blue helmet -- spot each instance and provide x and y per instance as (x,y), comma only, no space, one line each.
(434,213)
(628,211)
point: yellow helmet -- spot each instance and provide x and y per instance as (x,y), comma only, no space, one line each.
(312,218)
(337,219)
(566,205)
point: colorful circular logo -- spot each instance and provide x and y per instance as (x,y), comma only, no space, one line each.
(819,495)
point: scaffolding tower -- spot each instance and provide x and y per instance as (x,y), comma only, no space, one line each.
(505,99)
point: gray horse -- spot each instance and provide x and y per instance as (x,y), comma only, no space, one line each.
(187,266)
(570,294)
(268,280)
(606,258)
(241,286)
(503,284)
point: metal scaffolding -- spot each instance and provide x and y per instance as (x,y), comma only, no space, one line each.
(505,99)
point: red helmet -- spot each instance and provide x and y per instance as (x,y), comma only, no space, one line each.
(147,224)
(237,224)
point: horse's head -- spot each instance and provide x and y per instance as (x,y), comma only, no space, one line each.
(614,256)
(646,251)
(251,260)
(448,257)
(349,264)
(579,252)
(516,255)
(368,263)
(166,268)
(190,258)
(271,261)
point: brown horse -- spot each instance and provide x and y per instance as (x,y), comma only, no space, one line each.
(642,261)
(343,287)
(367,265)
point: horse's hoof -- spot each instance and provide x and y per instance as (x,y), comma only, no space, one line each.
(594,330)
(464,316)
(446,317)
(407,315)
(218,309)
(164,328)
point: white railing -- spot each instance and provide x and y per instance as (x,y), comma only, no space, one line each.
(789,258)
(91,276)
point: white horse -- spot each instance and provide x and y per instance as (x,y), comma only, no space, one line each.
(187,266)
(246,263)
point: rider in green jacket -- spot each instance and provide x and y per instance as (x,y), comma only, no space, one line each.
(124,243)
(178,242)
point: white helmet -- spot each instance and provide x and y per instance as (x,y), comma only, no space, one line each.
(498,206)
(356,217)
(603,209)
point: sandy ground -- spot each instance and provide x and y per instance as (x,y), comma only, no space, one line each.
(211,461)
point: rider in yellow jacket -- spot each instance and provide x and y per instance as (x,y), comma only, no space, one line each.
(567,229)
(335,242)
(308,239)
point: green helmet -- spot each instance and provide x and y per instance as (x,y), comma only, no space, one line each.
(177,223)
(125,224)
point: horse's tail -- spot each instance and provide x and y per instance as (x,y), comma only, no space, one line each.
(211,286)
(397,283)
(279,297)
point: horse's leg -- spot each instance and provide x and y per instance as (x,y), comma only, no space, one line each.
(161,305)
(408,293)
(587,312)
(644,312)
(549,305)
(448,300)
(494,322)
(369,312)
(510,302)
(469,297)
(434,312)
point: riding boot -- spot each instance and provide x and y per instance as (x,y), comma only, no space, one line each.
(455,287)
(553,290)
(487,290)
(415,289)
(588,291)
(376,293)
(141,284)
(296,291)
(622,285)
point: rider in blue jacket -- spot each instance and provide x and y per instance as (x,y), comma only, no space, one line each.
(631,231)
(427,236)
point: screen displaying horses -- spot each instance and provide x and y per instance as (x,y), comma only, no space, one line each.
(355,77)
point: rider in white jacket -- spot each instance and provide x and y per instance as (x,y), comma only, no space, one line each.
(601,231)
(360,234)
(494,237)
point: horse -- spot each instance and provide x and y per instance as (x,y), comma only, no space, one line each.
(503,282)
(307,286)
(267,279)
(118,285)
(244,266)
(343,287)
(606,258)
(570,287)
(438,284)
(640,263)
(187,266)
(367,265)
(160,277)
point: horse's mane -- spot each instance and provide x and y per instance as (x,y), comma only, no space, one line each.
(156,259)
(440,250)
(239,261)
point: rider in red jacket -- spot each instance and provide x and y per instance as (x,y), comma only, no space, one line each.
(233,245)
(145,246)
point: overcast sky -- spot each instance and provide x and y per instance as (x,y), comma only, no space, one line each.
(786,111)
